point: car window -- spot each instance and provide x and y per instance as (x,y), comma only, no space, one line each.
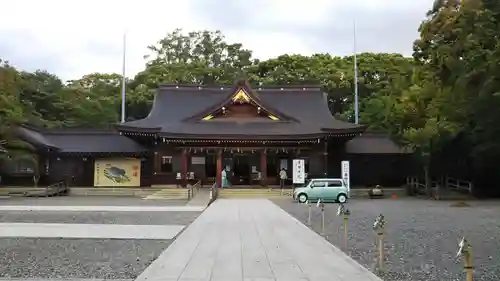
(318,184)
(334,183)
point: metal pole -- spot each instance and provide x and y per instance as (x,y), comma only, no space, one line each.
(356,106)
(123,76)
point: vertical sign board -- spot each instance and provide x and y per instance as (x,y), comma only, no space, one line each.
(299,175)
(345,173)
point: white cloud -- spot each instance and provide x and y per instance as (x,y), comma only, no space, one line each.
(72,38)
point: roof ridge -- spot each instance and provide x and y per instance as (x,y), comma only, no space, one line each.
(256,87)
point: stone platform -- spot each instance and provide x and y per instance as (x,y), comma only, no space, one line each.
(252,240)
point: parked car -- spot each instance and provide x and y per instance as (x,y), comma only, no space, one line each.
(324,189)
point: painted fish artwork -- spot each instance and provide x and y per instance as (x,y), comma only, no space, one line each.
(116,174)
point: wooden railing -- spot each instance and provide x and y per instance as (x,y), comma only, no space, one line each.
(193,190)
(458,185)
(447,183)
(418,184)
(59,188)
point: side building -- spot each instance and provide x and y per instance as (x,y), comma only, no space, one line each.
(198,130)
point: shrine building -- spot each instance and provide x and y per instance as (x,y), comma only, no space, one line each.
(198,130)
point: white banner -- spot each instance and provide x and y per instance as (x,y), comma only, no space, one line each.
(346,173)
(299,171)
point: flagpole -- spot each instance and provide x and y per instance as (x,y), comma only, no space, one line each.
(123,76)
(356,106)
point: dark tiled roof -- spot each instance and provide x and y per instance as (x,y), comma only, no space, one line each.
(374,144)
(83,141)
(174,106)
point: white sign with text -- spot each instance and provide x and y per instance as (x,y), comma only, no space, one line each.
(345,173)
(299,171)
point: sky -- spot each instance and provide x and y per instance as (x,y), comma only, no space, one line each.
(74,38)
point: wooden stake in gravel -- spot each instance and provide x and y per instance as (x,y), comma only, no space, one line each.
(343,211)
(309,212)
(322,205)
(465,251)
(378,226)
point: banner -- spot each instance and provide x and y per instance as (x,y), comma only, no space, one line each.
(346,173)
(117,172)
(299,172)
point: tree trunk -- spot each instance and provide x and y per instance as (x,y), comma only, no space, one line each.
(427,181)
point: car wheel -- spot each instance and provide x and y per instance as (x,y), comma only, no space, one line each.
(342,198)
(302,198)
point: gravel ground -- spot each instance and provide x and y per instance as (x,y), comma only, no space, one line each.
(129,218)
(90,201)
(421,236)
(65,258)
(77,258)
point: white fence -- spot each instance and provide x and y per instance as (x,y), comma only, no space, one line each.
(448,183)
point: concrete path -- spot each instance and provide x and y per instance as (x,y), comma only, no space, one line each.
(252,240)
(102,208)
(201,198)
(89,231)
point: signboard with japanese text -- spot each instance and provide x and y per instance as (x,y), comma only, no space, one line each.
(117,172)
(345,173)
(299,175)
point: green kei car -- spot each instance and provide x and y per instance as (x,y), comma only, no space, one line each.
(324,189)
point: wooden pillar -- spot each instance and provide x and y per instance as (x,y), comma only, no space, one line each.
(184,167)
(218,178)
(263,167)
(325,155)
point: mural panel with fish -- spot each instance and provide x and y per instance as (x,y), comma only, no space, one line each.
(117,172)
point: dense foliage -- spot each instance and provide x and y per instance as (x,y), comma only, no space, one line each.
(442,102)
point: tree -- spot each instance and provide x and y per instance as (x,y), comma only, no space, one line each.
(12,114)
(459,45)
(200,57)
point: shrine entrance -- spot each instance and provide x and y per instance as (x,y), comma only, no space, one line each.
(241,169)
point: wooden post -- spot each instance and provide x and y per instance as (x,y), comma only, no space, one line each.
(322,205)
(218,165)
(380,236)
(346,232)
(184,168)
(379,226)
(325,155)
(465,250)
(309,213)
(263,168)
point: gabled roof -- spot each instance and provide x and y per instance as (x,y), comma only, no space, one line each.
(176,109)
(370,143)
(239,87)
(79,140)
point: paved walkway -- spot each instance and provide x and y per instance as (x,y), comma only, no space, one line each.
(252,240)
(201,198)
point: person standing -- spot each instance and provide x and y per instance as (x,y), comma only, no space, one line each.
(224,181)
(283,178)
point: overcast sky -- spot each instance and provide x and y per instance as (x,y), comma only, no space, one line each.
(73,38)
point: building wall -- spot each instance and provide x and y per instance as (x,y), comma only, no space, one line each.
(389,170)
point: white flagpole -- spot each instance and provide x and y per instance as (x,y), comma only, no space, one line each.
(356,106)
(123,76)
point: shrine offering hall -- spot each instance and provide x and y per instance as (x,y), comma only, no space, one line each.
(197,131)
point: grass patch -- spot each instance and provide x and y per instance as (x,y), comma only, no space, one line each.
(459,204)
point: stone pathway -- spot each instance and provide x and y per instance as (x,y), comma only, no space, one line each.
(252,240)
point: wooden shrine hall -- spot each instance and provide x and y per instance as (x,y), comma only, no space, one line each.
(197,131)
